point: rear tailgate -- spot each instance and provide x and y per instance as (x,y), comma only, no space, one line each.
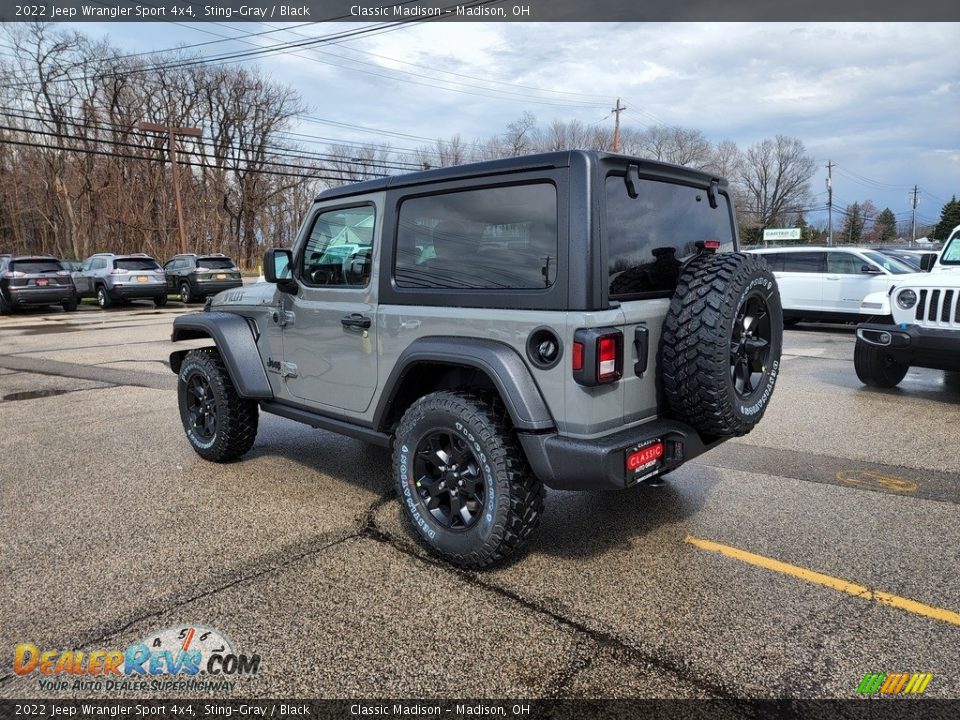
(646,241)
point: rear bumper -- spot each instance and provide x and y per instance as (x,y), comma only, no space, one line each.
(135,291)
(915,345)
(212,287)
(566,463)
(20,296)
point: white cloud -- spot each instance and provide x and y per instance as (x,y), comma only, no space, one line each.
(878,98)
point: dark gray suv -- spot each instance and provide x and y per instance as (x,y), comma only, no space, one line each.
(195,277)
(35,280)
(577,320)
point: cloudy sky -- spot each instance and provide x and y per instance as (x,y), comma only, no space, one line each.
(882,101)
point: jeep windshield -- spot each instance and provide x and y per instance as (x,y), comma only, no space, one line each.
(648,237)
(951,253)
(890,264)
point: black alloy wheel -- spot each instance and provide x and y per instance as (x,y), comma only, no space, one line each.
(201,407)
(750,346)
(449,481)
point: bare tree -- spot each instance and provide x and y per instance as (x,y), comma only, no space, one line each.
(774,178)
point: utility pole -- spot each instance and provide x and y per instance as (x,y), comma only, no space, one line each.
(829,202)
(616,127)
(913,215)
(172,133)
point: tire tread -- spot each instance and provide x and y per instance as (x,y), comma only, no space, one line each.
(237,426)
(486,414)
(694,350)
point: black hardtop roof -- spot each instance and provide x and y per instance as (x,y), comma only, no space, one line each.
(541,161)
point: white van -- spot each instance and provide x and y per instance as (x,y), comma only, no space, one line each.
(830,283)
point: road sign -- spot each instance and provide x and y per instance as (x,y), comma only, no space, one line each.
(782,234)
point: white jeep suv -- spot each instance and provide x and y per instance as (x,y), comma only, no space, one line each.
(926,324)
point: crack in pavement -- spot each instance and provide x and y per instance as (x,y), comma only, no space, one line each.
(100,636)
(580,660)
(706,681)
(273,564)
(367,528)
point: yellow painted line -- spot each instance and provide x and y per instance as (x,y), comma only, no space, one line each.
(845,586)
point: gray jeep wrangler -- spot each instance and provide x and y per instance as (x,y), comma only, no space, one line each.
(574,319)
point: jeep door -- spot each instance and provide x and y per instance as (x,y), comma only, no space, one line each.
(800,278)
(847,282)
(330,330)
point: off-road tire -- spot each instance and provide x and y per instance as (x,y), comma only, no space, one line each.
(876,367)
(103,298)
(696,343)
(186,294)
(71,304)
(514,500)
(159,301)
(236,417)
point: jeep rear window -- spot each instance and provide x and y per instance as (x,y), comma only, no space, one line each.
(35,266)
(489,238)
(135,264)
(215,263)
(648,237)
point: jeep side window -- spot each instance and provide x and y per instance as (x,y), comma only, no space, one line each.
(488,238)
(843,263)
(774,261)
(805,262)
(339,249)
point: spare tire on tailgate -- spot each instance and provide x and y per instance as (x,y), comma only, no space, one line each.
(721,342)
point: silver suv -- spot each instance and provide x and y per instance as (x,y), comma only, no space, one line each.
(578,320)
(112,278)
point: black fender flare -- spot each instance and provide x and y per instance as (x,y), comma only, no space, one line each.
(500,362)
(236,343)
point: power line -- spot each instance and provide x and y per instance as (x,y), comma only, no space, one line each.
(409,152)
(309,173)
(865,181)
(276,150)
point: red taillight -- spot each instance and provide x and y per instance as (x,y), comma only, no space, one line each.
(711,244)
(607,358)
(649,454)
(597,356)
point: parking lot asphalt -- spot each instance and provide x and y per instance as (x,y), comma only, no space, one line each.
(111,528)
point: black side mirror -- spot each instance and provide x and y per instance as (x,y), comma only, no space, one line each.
(870,269)
(928,261)
(278,269)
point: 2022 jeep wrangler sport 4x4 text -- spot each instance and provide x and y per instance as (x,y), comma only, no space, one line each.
(575,319)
